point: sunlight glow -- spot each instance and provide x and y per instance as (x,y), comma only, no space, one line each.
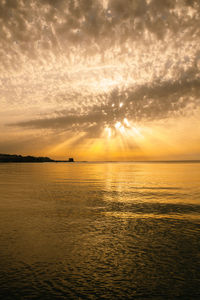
(109,132)
(126,122)
(136,131)
(122,129)
(118,125)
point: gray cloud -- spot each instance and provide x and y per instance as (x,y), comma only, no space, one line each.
(55,55)
(35,28)
(157,101)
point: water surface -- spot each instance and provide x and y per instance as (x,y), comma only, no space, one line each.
(99,231)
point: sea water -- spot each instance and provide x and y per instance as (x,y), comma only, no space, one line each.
(100,231)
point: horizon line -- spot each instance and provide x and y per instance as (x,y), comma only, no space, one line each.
(135,161)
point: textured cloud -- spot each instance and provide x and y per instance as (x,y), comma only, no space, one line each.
(83,65)
(145,102)
(32,30)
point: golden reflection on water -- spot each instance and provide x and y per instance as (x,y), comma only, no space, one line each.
(112,229)
(173,216)
(123,182)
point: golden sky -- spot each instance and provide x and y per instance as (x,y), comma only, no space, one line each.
(100,79)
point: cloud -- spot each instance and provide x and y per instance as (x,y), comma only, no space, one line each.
(68,65)
(37,28)
(139,104)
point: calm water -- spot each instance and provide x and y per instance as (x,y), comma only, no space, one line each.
(100,231)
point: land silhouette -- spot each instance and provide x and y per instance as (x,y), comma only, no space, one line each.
(6,158)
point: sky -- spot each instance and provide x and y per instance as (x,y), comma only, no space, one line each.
(100,79)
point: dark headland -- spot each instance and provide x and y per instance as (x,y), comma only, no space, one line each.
(6,158)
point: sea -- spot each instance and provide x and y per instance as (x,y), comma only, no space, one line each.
(114,230)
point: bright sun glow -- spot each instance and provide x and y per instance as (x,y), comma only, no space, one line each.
(124,129)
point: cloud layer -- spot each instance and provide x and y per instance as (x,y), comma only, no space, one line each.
(82,66)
